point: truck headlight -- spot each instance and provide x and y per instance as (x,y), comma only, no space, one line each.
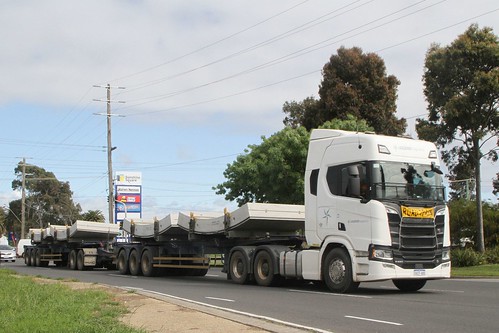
(445,255)
(380,253)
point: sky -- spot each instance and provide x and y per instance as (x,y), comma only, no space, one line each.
(193,83)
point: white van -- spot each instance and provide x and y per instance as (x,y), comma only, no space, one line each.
(20,246)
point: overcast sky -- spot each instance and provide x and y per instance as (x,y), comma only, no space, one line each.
(203,80)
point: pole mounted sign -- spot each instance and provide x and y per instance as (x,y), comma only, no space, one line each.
(128,195)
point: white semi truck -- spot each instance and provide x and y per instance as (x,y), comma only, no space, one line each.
(374,210)
(83,245)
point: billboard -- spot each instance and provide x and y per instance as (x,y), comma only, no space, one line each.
(128,195)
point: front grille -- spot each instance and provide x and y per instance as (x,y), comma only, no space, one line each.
(416,242)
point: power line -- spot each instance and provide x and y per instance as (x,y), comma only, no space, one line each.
(211,44)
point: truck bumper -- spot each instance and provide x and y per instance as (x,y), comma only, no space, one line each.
(379,271)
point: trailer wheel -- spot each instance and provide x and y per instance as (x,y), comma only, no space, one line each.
(238,268)
(264,269)
(146,264)
(337,272)
(122,263)
(409,285)
(72,260)
(80,260)
(134,263)
(37,258)
(27,257)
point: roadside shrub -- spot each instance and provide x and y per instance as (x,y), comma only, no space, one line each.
(492,255)
(467,257)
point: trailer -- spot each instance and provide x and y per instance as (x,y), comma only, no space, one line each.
(374,210)
(83,245)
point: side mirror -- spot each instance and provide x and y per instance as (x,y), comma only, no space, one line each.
(436,168)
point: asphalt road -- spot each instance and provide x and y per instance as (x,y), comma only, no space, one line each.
(455,305)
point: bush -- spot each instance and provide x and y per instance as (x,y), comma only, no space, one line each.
(492,255)
(467,257)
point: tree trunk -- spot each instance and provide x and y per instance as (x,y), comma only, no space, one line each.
(479,212)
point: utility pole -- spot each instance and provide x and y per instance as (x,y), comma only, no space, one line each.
(23,198)
(110,148)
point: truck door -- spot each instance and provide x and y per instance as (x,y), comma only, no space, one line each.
(340,208)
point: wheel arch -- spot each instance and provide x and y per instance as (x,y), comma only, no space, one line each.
(333,243)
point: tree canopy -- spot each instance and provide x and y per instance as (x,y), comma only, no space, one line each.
(48,200)
(354,84)
(462,90)
(274,170)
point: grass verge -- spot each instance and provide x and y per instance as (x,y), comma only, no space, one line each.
(28,306)
(475,271)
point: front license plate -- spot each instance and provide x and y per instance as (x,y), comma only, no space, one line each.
(418,212)
(419,272)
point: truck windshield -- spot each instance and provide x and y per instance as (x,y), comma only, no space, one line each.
(406,181)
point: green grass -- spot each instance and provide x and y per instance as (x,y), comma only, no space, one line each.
(28,306)
(474,271)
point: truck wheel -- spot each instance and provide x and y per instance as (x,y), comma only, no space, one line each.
(134,263)
(122,263)
(80,260)
(337,272)
(238,268)
(146,264)
(409,285)
(72,260)
(264,269)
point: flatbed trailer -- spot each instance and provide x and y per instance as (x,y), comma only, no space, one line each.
(83,245)
(181,244)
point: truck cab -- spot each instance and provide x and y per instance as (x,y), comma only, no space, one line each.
(375,210)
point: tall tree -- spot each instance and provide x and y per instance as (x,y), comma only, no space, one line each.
(93,215)
(353,83)
(462,90)
(48,200)
(495,184)
(274,171)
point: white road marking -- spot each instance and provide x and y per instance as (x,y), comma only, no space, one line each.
(375,320)
(252,315)
(327,293)
(123,276)
(220,299)
(212,275)
(427,289)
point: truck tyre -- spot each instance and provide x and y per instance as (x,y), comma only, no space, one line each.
(134,263)
(337,271)
(80,260)
(37,258)
(122,263)
(146,264)
(238,268)
(264,269)
(72,260)
(409,285)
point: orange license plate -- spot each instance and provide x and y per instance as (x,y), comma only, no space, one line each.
(418,212)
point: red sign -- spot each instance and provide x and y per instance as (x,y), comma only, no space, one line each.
(128,198)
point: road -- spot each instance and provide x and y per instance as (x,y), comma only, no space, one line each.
(456,305)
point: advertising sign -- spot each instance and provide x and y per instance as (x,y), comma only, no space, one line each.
(128,195)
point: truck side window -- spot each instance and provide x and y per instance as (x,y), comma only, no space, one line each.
(314,178)
(347,180)
(333,180)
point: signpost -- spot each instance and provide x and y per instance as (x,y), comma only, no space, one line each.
(128,191)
